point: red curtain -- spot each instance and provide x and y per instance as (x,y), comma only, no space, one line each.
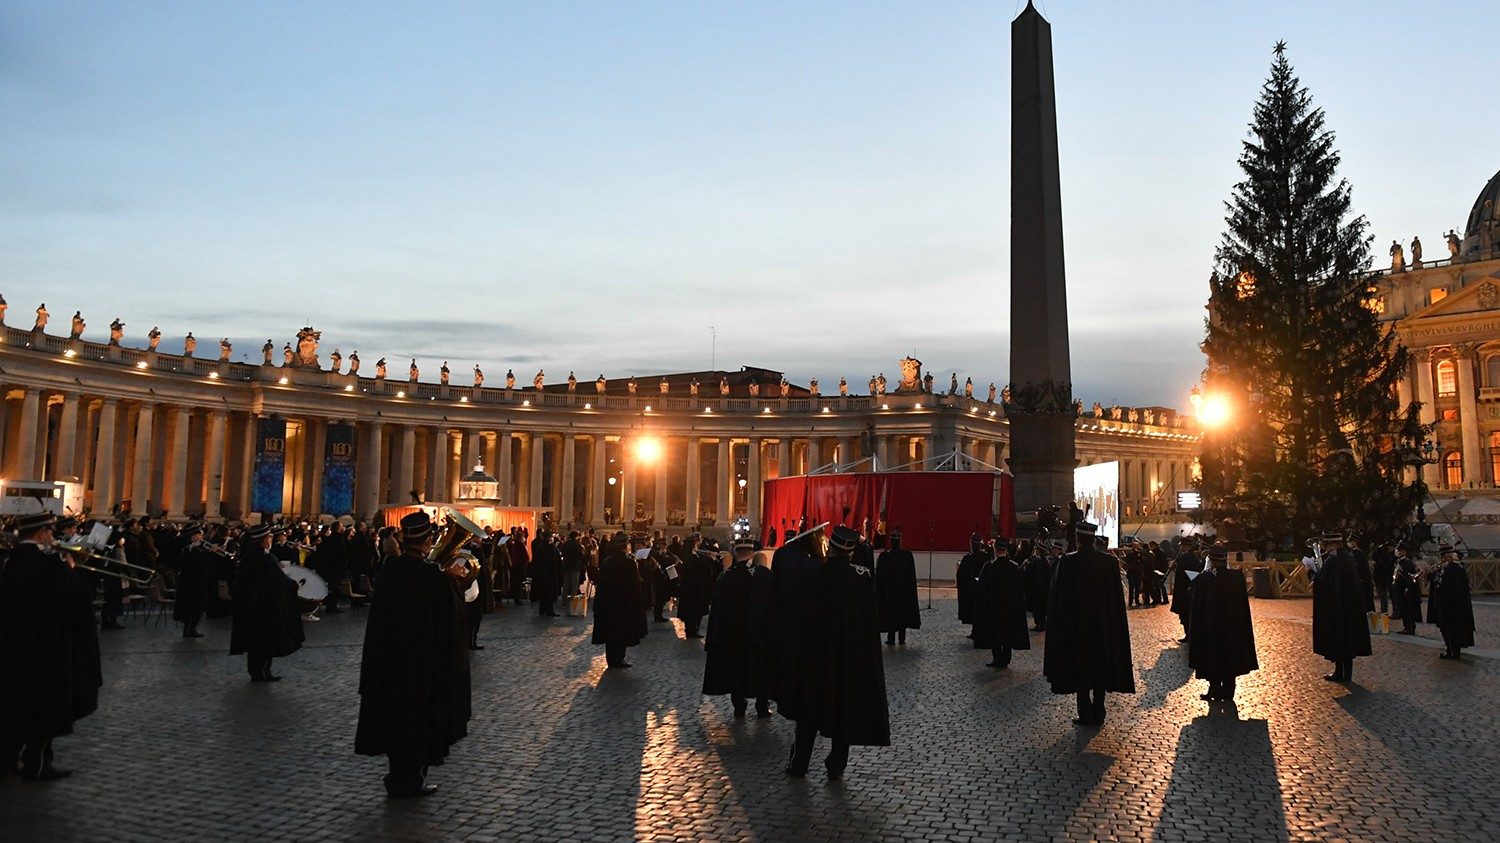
(937,510)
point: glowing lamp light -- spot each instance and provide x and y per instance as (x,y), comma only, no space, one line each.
(648,408)
(526,403)
(400,393)
(1214,410)
(70,353)
(349,388)
(765,410)
(648,449)
(141,365)
(463,399)
(611,481)
(588,406)
(213,376)
(826,410)
(284,381)
(919,406)
(885,406)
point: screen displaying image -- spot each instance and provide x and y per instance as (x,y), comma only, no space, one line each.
(1096,490)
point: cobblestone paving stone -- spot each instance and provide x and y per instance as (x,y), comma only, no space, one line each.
(184,748)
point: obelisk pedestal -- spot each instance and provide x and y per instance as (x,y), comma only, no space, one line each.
(1040,404)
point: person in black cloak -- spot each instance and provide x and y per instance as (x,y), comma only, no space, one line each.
(698,572)
(1222,644)
(1038,572)
(49,652)
(1406,592)
(267,622)
(1189,560)
(546,577)
(655,570)
(414,691)
(734,661)
(967,579)
(197,581)
(1456,612)
(1002,617)
(794,572)
(619,602)
(843,687)
(1088,638)
(896,590)
(1362,568)
(1341,632)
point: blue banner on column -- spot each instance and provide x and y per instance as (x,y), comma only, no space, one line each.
(338,470)
(270,465)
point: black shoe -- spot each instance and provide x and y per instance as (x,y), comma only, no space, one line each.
(421,790)
(192,635)
(794,773)
(1333,677)
(763,712)
(1445,655)
(834,775)
(739,714)
(1207,697)
(46,774)
(997,665)
(111,625)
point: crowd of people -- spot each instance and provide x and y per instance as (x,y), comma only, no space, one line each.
(799,625)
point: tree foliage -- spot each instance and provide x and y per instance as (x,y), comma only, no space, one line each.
(1316,439)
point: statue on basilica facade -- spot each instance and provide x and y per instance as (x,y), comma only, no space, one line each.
(335,360)
(573,381)
(307,348)
(754,388)
(354,363)
(3,307)
(266,351)
(1454,244)
(78,325)
(812,386)
(153,338)
(189,344)
(663,388)
(693,389)
(991,398)
(843,386)
(510,378)
(911,377)
(1398,257)
(786,388)
(927,383)
(287,354)
(380,369)
(880,383)
(874,387)
(444,373)
(537,381)
(41,318)
(600,384)
(116,331)
(478,375)
(630,386)
(225,349)
(1416,251)
(412,373)
(968,387)
(723,387)
(953,384)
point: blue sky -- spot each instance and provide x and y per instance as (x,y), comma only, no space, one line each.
(591,186)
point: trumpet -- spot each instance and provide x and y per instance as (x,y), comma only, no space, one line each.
(82,550)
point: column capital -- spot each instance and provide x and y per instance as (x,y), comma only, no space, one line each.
(1465,350)
(1422,355)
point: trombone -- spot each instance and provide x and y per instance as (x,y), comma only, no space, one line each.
(82,550)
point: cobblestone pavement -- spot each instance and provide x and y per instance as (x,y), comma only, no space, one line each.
(184,747)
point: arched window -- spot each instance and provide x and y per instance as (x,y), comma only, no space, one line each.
(1447,378)
(1492,370)
(1453,469)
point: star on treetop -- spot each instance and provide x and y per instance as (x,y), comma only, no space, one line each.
(1280,48)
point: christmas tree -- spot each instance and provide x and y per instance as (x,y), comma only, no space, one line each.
(1301,372)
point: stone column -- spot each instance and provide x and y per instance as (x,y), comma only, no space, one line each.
(883,451)
(244,492)
(26,459)
(140,492)
(370,475)
(598,485)
(659,500)
(104,458)
(502,468)
(693,482)
(214,492)
(181,419)
(753,482)
(405,466)
(67,437)
(1468,415)
(627,483)
(437,473)
(724,500)
(538,445)
(475,454)
(784,456)
(566,504)
(1431,473)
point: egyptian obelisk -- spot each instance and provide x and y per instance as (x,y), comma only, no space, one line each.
(1040,403)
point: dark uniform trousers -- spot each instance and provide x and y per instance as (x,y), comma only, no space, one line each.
(614,654)
(1221,689)
(1091,706)
(838,756)
(1002,655)
(762,705)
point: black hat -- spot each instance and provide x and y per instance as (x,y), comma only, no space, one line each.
(190,529)
(843,538)
(658,540)
(415,526)
(1086,528)
(35,521)
(808,531)
(974,538)
(746,543)
(1002,548)
(1218,553)
(1333,536)
(67,522)
(258,532)
(1445,548)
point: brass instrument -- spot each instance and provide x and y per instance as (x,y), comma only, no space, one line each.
(82,550)
(454,535)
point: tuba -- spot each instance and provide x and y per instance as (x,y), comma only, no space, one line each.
(454,535)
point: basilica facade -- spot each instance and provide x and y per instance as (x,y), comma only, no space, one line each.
(186,436)
(1447,312)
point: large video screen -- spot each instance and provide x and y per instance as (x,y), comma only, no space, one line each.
(1096,490)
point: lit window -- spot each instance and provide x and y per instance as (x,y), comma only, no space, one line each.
(1453,469)
(1447,378)
(1437,294)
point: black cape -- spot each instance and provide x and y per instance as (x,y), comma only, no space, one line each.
(734,662)
(843,688)
(1002,616)
(896,591)
(1340,628)
(267,620)
(49,646)
(546,566)
(414,695)
(1456,608)
(1182,585)
(619,602)
(1406,591)
(197,581)
(794,575)
(1038,582)
(1088,637)
(1221,640)
(968,583)
(695,585)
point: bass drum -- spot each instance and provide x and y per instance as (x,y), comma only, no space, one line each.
(310,586)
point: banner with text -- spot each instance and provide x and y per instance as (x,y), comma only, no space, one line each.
(338,470)
(270,465)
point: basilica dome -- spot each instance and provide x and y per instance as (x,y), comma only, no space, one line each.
(1484,219)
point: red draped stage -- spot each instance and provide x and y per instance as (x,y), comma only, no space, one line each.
(937,510)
